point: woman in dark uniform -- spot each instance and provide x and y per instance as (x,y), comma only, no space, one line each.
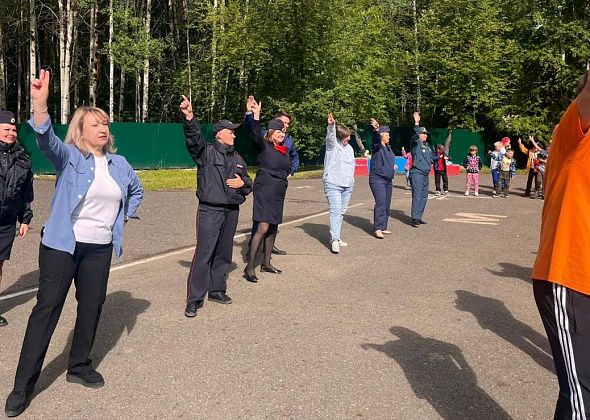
(16,189)
(270,187)
(381,177)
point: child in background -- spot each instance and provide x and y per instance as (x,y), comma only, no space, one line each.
(507,170)
(473,165)
(408,157)
(440,169)
(495,158)
(539,164)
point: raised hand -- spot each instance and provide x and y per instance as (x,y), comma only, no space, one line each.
(40,89)
(186,108)
(255,107)
(416,116)
(235,183)
(403,149)
(331,119)
(374,124)
(519,140)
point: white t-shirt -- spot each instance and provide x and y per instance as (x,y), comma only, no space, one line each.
(95,215)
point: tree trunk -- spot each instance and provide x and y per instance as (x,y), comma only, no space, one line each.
(416,61)
(93,46)
(67,22)
(111,64)
(122,95)
(242,73)
(32,46)
(2,71)
(19,68)
(212,102)
(137,97)
(188,51)
(146,64)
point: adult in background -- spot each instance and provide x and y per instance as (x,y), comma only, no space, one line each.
(338,178)
(270,187)
(222,185)
(293,156)
(16,189)
(421,164)
(96,191)
(381,177)
(561,275)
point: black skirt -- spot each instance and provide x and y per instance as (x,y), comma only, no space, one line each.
(7,234)
(269,198)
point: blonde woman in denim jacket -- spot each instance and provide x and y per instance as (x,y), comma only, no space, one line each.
(338,177)
(96,192)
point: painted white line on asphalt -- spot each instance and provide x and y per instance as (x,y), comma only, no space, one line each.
(178,251)
(476,219)
(307,187)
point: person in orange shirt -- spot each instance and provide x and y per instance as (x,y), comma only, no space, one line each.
(561,275)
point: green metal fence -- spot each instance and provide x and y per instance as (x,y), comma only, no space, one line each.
(154,146)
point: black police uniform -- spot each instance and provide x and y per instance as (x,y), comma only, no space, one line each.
(270,185)
(217,215)
(381,180)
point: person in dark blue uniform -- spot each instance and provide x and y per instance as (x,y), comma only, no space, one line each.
(16,189)
(222,185)
(293,157)
(381,177)
(270,187)
(422,162)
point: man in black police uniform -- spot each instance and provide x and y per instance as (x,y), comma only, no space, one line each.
(222,185)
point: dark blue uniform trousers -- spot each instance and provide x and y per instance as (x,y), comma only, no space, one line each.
(216,227)
(381,189)
(419,193)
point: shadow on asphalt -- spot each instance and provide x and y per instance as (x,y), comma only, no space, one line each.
(319,231)
(401,216)
(513,271)
(439,373)
(492,314)
(119,314)
(24,282)
(359,222)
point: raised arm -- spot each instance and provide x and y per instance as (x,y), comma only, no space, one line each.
(255,130)
(331,133)
(195,142)
(416,136)
(51,146)
(376,136)
(522,147)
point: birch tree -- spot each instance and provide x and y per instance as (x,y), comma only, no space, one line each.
(2,70)
(92,50)
(67,23)
(146,64)
(32,46)
(111,63)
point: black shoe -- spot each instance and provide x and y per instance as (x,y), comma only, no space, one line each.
(219,297)
(17,402)
(270,269)
(278,251)
(251,279)
(3,321)
(90,379)
(422,222)
(191,308)
(415,223)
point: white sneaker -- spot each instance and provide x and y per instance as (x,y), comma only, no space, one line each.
(335,247)
(437,193)
(466,193)
(342,243)
(476,194)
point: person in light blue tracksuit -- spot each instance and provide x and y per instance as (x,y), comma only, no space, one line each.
(421,165)
(381,177)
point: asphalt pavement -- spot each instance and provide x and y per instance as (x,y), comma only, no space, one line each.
(431,322)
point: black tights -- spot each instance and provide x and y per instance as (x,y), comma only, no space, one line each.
(266,233)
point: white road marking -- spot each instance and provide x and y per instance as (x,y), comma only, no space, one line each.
(476,218)
(170,253)
(307,187)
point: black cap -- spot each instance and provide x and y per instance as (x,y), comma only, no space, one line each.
(276,124)
(384,129)
(223,124)
(423,130)
(7,117)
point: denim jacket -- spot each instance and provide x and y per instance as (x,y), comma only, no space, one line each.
(74,175)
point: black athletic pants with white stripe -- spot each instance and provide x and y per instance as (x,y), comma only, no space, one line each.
(566,317)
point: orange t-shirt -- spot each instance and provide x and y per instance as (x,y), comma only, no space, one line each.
(564,248)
